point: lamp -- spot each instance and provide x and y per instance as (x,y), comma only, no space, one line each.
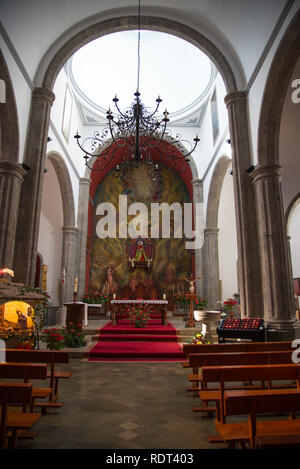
(137,133)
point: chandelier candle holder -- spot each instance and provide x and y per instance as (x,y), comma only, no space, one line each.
(137,132)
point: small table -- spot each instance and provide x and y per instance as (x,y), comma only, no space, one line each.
(161,306)
(81,311)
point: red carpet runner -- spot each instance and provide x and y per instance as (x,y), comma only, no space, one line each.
(124,342)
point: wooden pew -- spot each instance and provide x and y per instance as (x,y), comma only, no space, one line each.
(235,347)
(51,357)
(251,403)
(15,393)
(240,374)
(198,360)
(27,372)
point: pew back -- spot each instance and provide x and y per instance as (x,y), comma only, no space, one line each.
(25,371)
(199,360)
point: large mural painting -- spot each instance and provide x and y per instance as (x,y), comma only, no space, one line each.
(119,264)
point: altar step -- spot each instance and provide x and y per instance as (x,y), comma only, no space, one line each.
(136,337)
(135,351)
(124,342)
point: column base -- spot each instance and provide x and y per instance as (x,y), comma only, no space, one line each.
(277,331)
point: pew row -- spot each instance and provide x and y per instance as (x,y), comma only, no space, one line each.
(12,423)
(252,403)
(239,374)
(51,358)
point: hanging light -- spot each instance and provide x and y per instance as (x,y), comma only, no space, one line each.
(138,133)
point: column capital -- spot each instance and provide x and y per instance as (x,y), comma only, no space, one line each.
(197,182)
(267,171)
(86,181)
(211,231)
(43,94)
(70,229)
(235,96)
(12,169)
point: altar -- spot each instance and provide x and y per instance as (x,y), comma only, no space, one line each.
(159,306)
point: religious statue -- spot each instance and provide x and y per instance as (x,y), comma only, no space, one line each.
(140,252)
(22,320)
(110,285)
(191,282)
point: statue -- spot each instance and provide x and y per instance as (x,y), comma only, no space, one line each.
(140,252)
(191,281)
(22,320)
(110,285)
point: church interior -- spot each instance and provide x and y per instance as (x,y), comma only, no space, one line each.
(149,215)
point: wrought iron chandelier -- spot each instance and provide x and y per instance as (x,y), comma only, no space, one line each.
(138,133)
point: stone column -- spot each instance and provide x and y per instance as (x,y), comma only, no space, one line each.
(11,179)
(250,289)
(32,188)
(211,267)
(279,311)
(68,262)
(82,221)
(198,198)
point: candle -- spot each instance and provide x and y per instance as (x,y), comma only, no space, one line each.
(164,296)
(75,285)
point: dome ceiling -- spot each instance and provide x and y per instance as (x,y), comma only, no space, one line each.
(170,67)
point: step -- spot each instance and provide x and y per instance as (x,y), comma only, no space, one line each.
(135,337)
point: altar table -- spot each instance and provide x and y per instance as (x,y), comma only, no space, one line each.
(159,306)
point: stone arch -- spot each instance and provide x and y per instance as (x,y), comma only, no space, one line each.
(211,272)
(214,193)
(295,201)
(65,187)
(56,56)
(9,125)
(69,230)
(276,88)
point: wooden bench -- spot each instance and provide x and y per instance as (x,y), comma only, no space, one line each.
(27,372)
(236,347)
(251,403)
(12,423)
(240,374)
(199,360)
(50,357)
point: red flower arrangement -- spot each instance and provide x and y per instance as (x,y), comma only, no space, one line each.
(229,305)
(54,339)
(138,315)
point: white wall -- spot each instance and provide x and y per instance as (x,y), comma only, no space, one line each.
(258,88)
(50,232)
(289,144)
(293,231)
(227,239)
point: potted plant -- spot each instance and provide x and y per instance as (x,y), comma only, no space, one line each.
(54,339)
(74,337)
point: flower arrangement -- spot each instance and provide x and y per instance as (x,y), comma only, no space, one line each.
(74,337)
(95,297)
(199,338)
(200,302)
(54,339)
(229,305)
(138,315)
(180,297)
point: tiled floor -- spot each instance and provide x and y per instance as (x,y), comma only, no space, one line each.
(125,406)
